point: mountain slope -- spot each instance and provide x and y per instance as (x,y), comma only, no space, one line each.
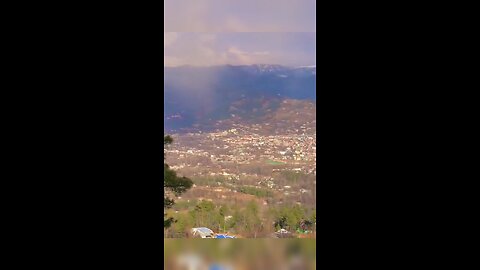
(196,97)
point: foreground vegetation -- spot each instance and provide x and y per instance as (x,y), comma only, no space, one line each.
(250,220)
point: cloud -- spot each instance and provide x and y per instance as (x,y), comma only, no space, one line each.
(169,38)
(235,50)
(233,24)
(218,32)
(208,49)
(193,49)
(239,16)
(239,57)
(172,61)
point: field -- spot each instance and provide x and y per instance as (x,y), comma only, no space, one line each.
(273,162)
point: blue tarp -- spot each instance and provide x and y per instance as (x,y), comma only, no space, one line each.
(223,236)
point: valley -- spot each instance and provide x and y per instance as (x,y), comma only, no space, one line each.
(246,137)
(272,164)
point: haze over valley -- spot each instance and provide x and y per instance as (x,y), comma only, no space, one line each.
(196,98)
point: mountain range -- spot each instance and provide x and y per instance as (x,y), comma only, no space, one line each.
(197,97)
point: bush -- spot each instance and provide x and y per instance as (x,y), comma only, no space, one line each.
(259,192)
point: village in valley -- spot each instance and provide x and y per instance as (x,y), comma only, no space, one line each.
(245,164)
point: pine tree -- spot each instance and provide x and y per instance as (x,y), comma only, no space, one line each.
(172,184)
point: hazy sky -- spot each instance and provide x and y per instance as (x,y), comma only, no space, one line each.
(237,32)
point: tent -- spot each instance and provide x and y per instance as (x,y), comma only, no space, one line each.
(202,232)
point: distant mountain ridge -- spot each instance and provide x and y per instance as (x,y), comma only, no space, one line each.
(197,96)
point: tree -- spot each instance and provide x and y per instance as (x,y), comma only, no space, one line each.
(223,211)
(289,217)
(253,222)
(281,223)
(172,184)
(183,222)
(204,211)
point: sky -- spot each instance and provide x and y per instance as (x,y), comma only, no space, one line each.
(219,32)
